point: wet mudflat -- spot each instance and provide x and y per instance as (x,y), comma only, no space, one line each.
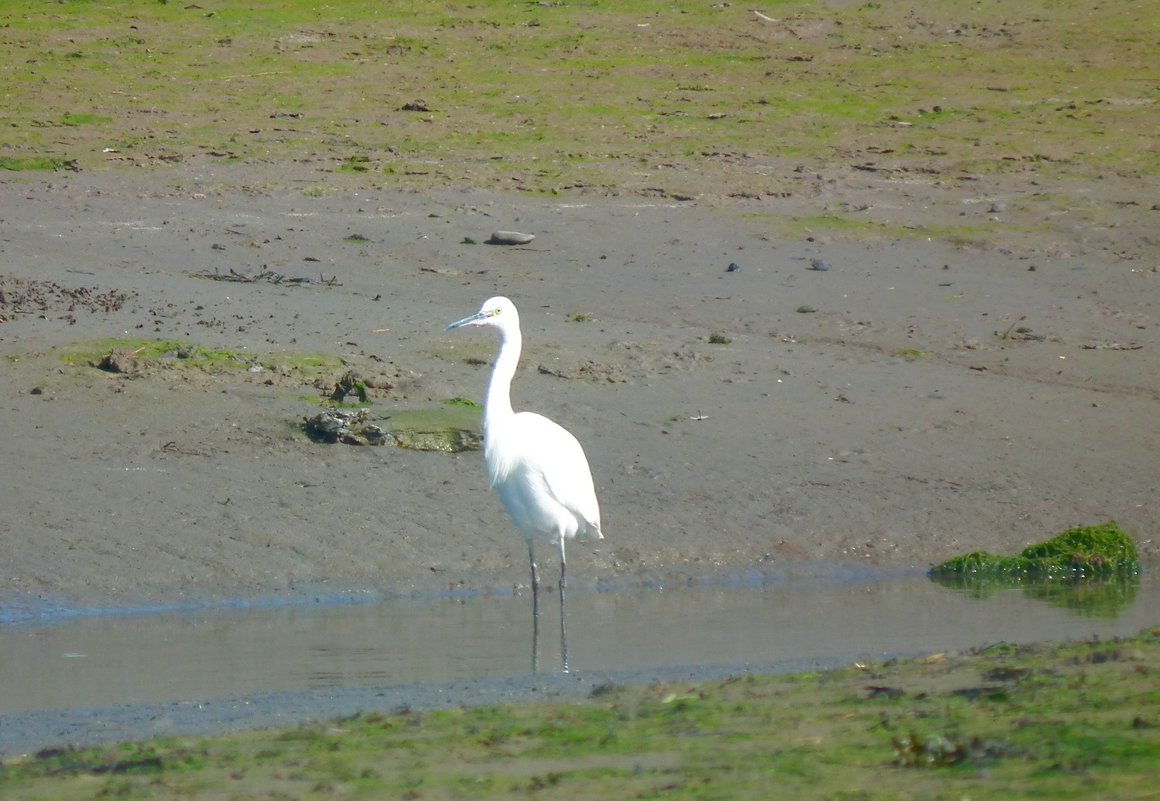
(87,677)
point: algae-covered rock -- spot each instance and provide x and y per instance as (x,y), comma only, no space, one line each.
(1090,552)
(1092,571)
(450,429)
(348,426)
(448,440)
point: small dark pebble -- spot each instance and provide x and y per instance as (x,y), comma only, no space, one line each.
(733,267)
(1005,673)
(975,693)
(879,691)
(52,752)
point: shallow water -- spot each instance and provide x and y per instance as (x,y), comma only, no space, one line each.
(111,660)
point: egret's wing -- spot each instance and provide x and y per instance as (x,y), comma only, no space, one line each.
(559,458)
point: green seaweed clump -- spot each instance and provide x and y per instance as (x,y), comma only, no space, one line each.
(915,751)
(1091,571)
(350,384)
(1102,551)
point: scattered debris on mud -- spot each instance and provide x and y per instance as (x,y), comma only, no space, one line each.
(348,426)
(268,276)
(23,296)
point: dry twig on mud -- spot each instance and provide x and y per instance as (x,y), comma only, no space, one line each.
(265,275)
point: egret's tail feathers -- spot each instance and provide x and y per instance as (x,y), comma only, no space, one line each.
(589,534)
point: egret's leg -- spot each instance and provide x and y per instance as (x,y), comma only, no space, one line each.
(535,641)
(535,579)
(563,565)
(535,607)
(563,628)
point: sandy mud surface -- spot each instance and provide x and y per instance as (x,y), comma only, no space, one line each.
(889,403)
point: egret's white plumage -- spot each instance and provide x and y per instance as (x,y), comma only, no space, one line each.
(537,467)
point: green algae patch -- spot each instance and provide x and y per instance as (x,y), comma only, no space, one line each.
(158,357)
(143,353)
(1092,570)
(36,163)
(1102,551)
(713,92)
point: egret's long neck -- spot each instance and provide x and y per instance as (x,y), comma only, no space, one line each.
(497,406)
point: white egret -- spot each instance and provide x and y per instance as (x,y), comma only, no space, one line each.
(536,466)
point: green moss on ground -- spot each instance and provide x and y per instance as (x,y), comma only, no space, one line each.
(1070,721)
(1102,551)
(709,91)
(1092,570)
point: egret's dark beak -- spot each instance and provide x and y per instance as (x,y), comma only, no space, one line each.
(472,320)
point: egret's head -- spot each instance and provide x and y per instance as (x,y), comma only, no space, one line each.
(498,312)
